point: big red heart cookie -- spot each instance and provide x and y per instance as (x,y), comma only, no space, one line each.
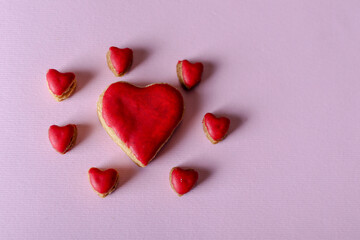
(182,180)
(140,120)
(103,182)
(215,128)
(189,74)
(62,138)
(119,60)
(61,85)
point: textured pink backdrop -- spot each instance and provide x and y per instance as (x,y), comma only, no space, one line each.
(287,73)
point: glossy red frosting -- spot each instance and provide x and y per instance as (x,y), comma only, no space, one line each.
(102,181)
(191,73)
(121,58)
(183,180)
(216,127)
(59,82)
(61,137)
(143,118)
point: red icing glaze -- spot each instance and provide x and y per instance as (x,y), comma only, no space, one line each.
(183,180)
(121,59)
(102,181)
(143,118)
(216,127)
(59,82)
(191,73)
(60,137)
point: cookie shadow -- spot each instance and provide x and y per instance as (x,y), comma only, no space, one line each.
(83,131)
(209,70)
(140,55)
(204,174)
(126,173)
(83,78)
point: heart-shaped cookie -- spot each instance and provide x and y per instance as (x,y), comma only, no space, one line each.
(62,138)
(182,180)
(61,85)
(215,128)
(103,182)
(140,120)
(189,74)
(119,60)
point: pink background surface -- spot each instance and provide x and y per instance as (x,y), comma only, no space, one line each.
(285,72)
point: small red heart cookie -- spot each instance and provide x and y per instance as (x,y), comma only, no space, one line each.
(182,180)
(215,128)
(61,85)
(189,74)
(103,182)
(119,60)
(140,120)
(62,138)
